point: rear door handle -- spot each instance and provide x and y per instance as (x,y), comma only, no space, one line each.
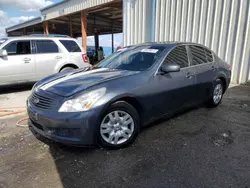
(213,68)
(26,60)
(189,75)
(58,57)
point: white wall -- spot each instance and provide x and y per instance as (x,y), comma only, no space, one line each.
(222,25)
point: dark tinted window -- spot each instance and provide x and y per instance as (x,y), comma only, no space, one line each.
(46,46)
(70,45)
(209,55)
(18,48)
(178,55)
(198,54)
(135,58)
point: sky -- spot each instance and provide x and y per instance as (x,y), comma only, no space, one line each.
(16,11)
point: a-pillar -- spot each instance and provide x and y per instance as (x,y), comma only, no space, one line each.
(46,28)
(84,30)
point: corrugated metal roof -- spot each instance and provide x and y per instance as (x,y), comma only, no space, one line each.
(53,5)
(69,7)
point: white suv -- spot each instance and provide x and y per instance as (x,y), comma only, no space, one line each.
(29,59)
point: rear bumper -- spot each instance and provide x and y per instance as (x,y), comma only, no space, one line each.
(66,128)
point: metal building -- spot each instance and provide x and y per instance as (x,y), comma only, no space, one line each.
(222,25)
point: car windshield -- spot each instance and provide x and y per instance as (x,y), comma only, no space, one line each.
(135,58)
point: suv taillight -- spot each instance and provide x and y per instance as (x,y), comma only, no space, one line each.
(85,58)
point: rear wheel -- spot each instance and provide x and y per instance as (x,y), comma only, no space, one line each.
(119,126)
(217,95)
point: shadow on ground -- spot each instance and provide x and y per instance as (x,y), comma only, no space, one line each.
(15,88)
(199,148)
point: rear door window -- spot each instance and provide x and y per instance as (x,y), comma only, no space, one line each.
(198,55)
(18,48)
(179,56)
(71,45)
(209,55)
(46,46)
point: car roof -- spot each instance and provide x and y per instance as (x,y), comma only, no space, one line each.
(168,43)
(40,37)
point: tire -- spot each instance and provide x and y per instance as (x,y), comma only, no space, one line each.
(67,69)
(109,129)
(217,94)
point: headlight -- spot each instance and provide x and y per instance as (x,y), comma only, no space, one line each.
(33,88)
(83,102)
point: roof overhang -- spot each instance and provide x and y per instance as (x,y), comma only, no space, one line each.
(30,22)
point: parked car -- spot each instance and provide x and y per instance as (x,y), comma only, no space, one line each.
(126,91)
(31,58)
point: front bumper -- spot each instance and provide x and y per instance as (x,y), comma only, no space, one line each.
(67,128)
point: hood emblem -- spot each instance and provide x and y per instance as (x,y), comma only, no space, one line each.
(36,100)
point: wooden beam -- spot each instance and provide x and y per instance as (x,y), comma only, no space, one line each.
(84,30)
(46,28)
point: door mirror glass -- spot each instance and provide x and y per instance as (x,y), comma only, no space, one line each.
(170,67)
(3,53)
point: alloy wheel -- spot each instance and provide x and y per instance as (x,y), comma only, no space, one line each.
(218,91)
(117,127)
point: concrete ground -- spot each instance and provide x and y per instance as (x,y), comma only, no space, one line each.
(199,148)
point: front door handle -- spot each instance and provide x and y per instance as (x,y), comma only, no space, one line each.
(213,68)
(58,57)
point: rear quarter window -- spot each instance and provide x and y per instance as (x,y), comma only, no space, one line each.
(70,45)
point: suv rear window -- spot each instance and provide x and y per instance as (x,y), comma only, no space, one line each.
(46,46)
(71,45)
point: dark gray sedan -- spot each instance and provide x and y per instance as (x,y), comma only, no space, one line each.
(108,104)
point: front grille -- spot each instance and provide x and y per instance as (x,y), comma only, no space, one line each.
(65,132)
(42,101)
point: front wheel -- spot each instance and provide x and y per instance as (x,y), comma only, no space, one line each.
(216,98)
(65,69)
(119,127)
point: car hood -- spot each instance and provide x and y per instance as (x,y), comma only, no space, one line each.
(70,83)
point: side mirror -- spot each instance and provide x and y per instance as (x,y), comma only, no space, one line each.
(170,67)
(3,53)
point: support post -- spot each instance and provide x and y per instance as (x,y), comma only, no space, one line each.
(84,30)
(24,31)
(46,28)
(96,40)
(112,39)
(70,27)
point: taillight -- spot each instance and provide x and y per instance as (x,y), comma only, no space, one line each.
(85,58)
(228,66)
